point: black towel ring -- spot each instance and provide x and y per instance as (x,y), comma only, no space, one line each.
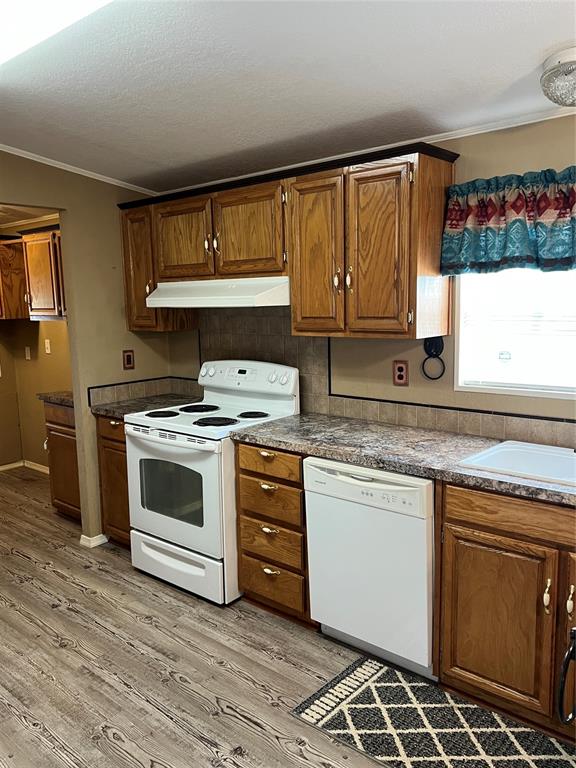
(433,347)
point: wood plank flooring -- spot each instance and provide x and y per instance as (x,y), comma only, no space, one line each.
(103,666)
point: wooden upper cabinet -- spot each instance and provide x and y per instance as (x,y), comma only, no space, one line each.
(316,247)
(248,226)
(377,274)
(497,634)
(41,261)
(139,268)
(12,282)
(183,238)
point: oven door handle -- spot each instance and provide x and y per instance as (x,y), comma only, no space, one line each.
(184,443)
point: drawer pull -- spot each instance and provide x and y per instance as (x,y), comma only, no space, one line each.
(267,454)
(270,572)
(116,423)
(268,487)
(546,596)
(570,602)
(269,531)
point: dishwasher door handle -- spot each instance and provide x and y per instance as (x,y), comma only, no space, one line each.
(369,481)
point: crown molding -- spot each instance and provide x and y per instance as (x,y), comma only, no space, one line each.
(536,117)
(499,125)
(49,217)
(74,169)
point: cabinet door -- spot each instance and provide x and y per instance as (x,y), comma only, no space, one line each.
(316,248)
(183,238)
(567,620)
(63,470)
(114,489)
(497,635)
(41,275)
(12,282)
(138,268)
(378,249)
(248,224)
(60,270)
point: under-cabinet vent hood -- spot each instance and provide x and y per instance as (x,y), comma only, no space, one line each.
(242,292)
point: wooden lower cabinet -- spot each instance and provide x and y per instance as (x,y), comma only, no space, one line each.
(271,530)
(62,459)
(503,601)
(113,480)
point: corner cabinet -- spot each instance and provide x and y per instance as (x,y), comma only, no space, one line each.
(504,622)
(140,276)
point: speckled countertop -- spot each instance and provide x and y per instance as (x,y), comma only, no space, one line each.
(118,410)
(420,452)
(57,398)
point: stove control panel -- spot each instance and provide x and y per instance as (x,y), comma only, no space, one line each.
(250,376)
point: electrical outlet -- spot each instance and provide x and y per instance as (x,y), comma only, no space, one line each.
(27,353)
(128,359)
(47,347)
(400,373)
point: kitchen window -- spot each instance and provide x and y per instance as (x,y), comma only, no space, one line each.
(516,333)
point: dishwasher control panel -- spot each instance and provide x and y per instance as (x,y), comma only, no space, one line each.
(389,491)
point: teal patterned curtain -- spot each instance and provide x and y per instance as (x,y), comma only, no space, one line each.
(511,221)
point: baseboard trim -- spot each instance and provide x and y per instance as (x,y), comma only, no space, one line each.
(93,541)
(14,465)
(38,467)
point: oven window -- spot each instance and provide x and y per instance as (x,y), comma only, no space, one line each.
(172,490)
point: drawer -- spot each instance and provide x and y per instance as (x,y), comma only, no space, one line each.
(524,517)
(270,499)
(264,461)
(272,542)
(113,429)
(59,414)
(272,583)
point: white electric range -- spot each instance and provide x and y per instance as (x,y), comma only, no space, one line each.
(181,477)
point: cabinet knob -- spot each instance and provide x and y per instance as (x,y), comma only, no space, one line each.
(267,454)
(148,286)
(207,244)
(270,572)
(349,279)
(116,423)
(570,601)
(45,444)
(268,487)
(337,280)
(269,531)
(546,596)
(215,243)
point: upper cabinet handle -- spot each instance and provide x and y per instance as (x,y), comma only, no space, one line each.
(570,602)
(215,243)
(349,279)
(337,280)
(207,243)
(546,596)
(148,285)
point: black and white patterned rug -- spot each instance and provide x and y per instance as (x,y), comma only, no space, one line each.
(403,721)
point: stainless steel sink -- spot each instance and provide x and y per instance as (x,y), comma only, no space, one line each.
(537,462)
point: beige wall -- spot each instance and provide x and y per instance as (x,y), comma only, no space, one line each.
(363,368)
(91,248)
(42,373)
(10,446)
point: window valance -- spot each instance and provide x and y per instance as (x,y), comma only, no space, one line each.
(511,221)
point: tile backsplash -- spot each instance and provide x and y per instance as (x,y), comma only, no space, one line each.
(264,334)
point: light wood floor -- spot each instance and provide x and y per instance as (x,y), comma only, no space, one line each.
(103,666)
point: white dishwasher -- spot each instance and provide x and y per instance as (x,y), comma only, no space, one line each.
(370,559)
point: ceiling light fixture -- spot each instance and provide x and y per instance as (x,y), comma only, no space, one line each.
(31,22)
(558,80)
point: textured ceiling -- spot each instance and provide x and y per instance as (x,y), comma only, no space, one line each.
(170,94)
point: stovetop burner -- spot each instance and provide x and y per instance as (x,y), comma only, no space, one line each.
(215,421)
(253,415)
(161,414)
(199,408)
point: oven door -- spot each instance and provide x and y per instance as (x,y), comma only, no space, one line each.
(174,487)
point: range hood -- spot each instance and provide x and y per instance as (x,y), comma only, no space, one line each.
(241,292)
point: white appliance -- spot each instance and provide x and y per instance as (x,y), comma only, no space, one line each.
(370,559)
(181,474)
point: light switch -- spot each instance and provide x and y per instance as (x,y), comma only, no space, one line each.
(47,347)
